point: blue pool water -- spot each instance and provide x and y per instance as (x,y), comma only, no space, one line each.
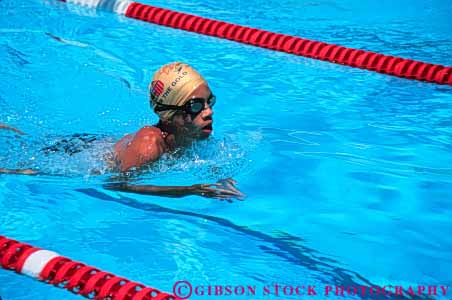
(348,172)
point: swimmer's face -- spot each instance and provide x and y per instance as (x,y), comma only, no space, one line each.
(200,125)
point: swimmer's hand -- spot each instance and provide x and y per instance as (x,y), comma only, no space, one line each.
(223,190)
(6,127)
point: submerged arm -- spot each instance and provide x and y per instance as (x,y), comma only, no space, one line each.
(6,127)
(223,189)
(19,171)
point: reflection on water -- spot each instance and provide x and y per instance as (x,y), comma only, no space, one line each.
(290,260)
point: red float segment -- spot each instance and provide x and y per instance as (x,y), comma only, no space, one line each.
(71,275)
(386,64)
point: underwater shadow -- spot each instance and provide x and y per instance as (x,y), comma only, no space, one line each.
(290,247)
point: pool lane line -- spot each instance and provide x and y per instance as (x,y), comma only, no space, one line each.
(76,277)
(372,61)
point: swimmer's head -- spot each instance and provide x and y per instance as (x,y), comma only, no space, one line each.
(180,95)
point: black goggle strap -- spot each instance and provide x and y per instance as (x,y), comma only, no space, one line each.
(163,107)
(187,107)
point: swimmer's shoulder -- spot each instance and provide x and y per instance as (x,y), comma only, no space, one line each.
(146,133)
(149,132)
(144,146)
(156,135)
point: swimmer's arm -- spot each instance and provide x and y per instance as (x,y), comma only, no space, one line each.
(167,191)
(6,127)
(19,171)
(223,189)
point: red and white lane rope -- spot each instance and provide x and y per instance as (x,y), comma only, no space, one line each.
(73,276)
(386,64)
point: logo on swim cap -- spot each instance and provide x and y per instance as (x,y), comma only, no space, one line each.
(157,88)
(178,69)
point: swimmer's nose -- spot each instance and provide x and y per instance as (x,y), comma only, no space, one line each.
(207,112)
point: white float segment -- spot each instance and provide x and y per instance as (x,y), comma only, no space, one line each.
(117,6)
(37,261)
(88,3)
(121,6)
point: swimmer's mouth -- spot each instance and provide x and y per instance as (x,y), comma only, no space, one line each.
(208,128)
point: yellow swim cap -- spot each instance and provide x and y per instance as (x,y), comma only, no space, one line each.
(171,85)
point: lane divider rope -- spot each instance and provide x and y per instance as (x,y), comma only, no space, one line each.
(386,64)
(76,277)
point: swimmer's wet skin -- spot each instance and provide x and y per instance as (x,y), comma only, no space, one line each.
(4,126)
(182,99)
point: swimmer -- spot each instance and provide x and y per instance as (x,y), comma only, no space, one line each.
(6,127)
(183,101)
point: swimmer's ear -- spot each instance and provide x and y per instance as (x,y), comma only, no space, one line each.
(188,118)
(178,118)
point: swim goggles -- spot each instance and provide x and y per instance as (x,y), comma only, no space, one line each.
(193,106)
